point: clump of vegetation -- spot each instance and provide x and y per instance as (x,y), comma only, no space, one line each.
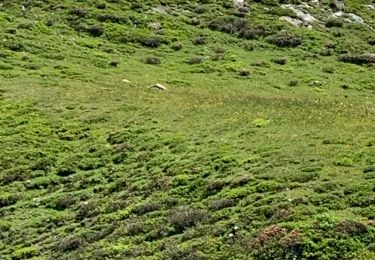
(244,72)
(334,22)
(114,63)
(285,39)
(195,60)
(280,61)
(293,82)
(200,40)
(237,26)
(79,12)
(152,60)
(183,218)
(95,30)
(146,207)
(177,46)
(152,41)
(358,59)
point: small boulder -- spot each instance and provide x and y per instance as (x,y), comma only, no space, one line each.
(159,86)
(293,21)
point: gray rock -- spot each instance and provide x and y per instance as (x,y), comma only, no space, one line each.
(293,21)
(356,18)
(305,17)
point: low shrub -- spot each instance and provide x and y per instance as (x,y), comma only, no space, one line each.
(146,207)
(238,27)
(101,5)
(285,39)
(114,63)
(152,41)
(329,70)
(200,40)
(293,83)
(112,18)
(244,72)
(334,22)
(134,227)
(79,12)
(358,59)
(152,60)
(95,30)
(176,46)
(185,217)
(280,61)
(194,60)
(86,210)
(222,203)
(69,244)
(351,228)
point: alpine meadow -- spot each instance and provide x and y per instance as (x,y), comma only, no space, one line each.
(187,129)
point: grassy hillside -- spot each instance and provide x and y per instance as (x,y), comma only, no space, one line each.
(262,146)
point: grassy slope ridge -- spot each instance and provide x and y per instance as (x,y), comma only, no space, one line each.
(276,140)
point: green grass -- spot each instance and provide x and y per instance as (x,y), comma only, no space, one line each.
(96,164)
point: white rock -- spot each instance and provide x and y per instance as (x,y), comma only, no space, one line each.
(126,81)
(356,18)
(239,3)
(293,21)
(159,86)
(306,18)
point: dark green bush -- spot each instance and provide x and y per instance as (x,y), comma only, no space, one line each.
(152,60)
(152,41)
(101,5)
(194,60)
(334,22)
(200,40)
(280,61)
(222,203)
(238,27)
(176,46)
(79,12)
(285,39)
(86,210)
(95,30)
(70,244)
(293,82)
(112,18)
(358,59)
(114,63)
(146,207)
(185,217)
(244,72)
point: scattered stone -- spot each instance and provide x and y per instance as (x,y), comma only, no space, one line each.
(305,17)
(317,83)
(159,86)
(356,18)
(372,7)
(159,10)
(293,21)
(239,3)
(154,25)
(353,17)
